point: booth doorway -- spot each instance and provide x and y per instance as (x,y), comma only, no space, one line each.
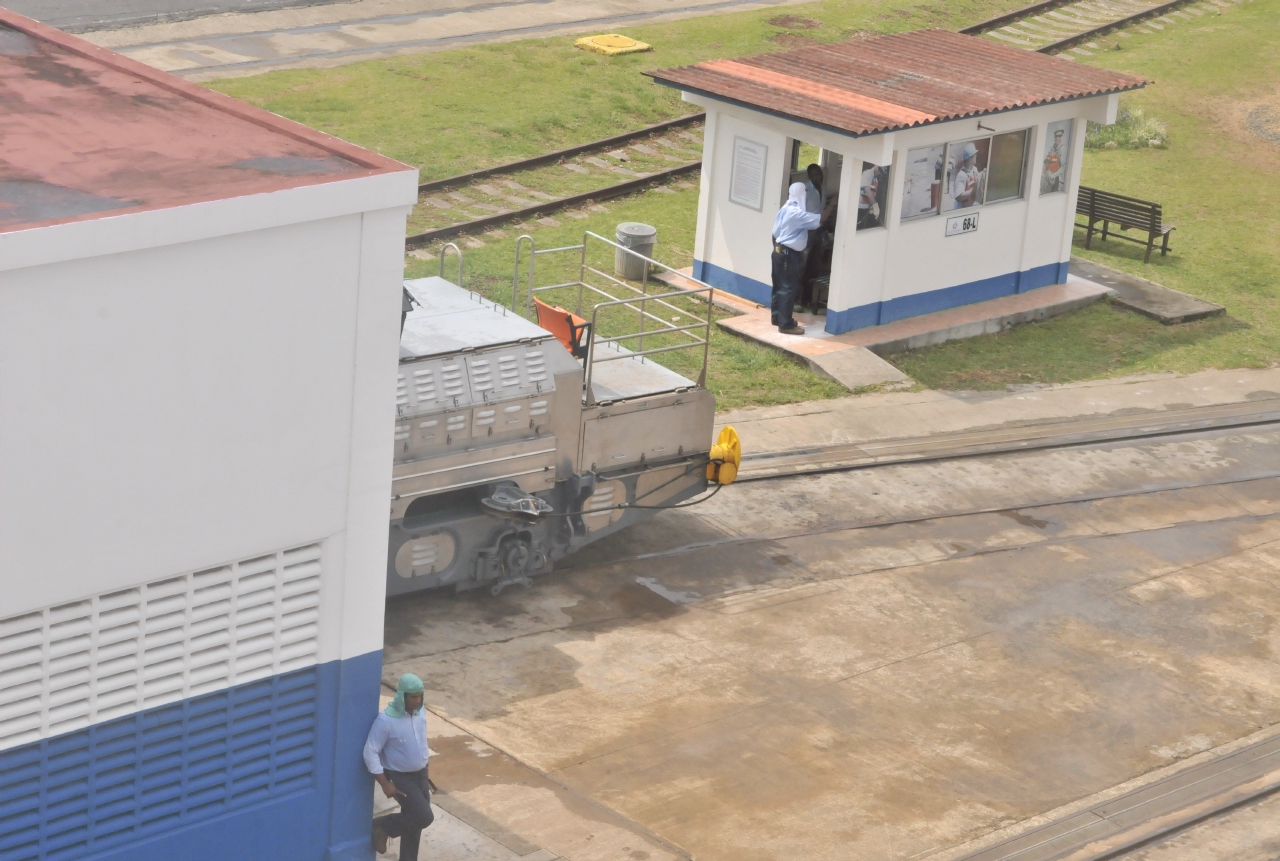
(817,271)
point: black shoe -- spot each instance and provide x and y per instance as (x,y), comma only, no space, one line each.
(793,329)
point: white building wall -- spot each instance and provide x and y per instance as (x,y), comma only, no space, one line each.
(184,405)
(735,238)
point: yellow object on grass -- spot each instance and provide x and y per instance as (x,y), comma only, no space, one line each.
(726,457)
(611,44)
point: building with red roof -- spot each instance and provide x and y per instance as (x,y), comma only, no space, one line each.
(954,161)
(199,326)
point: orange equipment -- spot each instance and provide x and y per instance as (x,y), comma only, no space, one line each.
(568,328)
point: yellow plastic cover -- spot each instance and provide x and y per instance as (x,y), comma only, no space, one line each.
(612,43)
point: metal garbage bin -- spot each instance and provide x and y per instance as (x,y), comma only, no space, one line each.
(640,238)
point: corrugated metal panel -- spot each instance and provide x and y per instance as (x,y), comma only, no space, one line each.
(897,81)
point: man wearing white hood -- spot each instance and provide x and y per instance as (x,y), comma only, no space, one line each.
(791,229)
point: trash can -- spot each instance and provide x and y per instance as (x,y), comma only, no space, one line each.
(640,238)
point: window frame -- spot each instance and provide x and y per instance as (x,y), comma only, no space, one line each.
(946,145)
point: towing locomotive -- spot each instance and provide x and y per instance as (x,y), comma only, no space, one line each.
(517,443)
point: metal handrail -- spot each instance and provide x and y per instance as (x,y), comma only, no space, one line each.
(697,334)
(672,330)
(534,251)
(458,251)
(704,341)
(515,275)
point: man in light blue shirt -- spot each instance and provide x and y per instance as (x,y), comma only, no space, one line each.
(396,755)
(791,228)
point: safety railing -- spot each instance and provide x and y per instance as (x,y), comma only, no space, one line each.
(457,251)
(669,320)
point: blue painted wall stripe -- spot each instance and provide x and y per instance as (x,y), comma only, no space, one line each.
(879,313)
(739,285)
(246,772)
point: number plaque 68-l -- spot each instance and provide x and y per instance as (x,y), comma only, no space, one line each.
(962,224)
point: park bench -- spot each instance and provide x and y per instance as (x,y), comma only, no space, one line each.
(1125,212)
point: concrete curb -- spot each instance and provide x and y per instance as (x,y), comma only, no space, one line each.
(1139,811)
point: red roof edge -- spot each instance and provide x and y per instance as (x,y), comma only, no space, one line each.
(210,98)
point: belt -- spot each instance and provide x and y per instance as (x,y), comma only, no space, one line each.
(783,249)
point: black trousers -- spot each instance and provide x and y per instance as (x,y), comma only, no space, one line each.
(788,270)
(415,812)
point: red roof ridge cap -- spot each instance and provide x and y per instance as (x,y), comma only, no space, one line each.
(819,91)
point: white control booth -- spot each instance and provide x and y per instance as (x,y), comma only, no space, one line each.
(955,162)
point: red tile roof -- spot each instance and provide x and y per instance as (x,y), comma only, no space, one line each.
(87,133)
(894,82)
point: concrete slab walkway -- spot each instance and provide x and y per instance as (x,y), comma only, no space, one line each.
(1146,297)
(852,359)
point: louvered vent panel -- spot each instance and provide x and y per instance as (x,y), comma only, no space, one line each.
(432,384)
(73,665)
(509,372)
(134,778)
(535,364)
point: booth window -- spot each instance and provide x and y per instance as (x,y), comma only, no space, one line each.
(922,190)
(873,193)
(965,173)
(1008,164)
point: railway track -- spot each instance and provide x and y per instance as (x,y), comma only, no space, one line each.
(537,187)
(1261,415)
(555,181)
(1006,440)
(1054,26)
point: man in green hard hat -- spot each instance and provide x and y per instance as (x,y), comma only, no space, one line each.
(396,755)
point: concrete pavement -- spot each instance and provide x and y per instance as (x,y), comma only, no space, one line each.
(905,415)
(762,677)
(332,34)
(81,16)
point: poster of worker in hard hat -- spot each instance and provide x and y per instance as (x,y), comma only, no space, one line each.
(1057,145)
(873,192)
(966,174)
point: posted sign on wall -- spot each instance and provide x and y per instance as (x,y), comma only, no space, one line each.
(746,185)
(962,224)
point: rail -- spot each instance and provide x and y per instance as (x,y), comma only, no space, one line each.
(457,251)
(691,331)
(556,155)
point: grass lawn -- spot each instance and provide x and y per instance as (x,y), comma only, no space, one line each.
(467,108)
(473,107)
(1218,184)
(459,110)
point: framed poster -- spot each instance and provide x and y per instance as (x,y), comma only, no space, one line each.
(966,182)
(1057,155)
(746,180)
